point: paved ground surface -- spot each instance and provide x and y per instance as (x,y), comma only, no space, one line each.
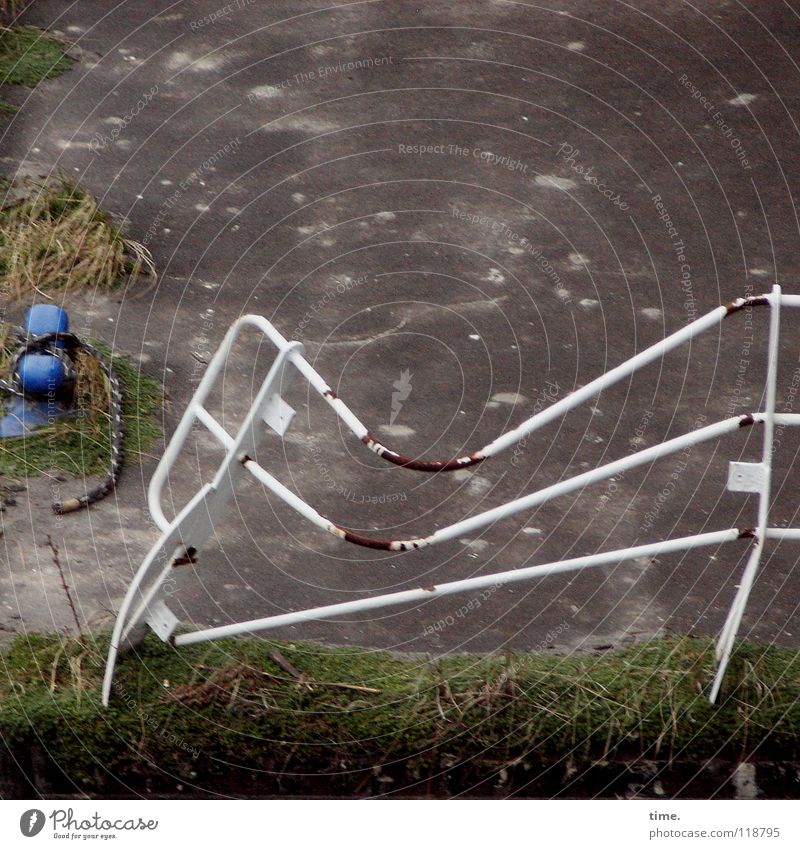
(265,153)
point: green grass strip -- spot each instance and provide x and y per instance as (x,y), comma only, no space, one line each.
(227,709)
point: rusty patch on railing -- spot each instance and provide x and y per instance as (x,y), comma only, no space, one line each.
(743,303)
(189,557)
(421,465)
(372,542)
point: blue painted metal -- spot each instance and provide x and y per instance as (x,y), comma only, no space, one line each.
(41,372)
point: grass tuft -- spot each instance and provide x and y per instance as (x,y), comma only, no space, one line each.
(28,56)
(57,238)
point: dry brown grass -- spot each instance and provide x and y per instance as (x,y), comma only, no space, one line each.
(56,238)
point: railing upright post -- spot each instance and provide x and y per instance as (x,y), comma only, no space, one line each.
(727,636)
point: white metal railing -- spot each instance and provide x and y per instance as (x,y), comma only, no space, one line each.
(183,537)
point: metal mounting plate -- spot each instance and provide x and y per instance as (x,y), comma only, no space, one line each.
(277,414)
(162,620)
(746,477)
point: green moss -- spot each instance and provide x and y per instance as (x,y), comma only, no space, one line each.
(225,707)
(28,56)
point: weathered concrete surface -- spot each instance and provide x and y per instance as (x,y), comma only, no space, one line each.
(261,182)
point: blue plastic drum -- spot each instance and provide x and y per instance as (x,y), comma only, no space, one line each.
(41,373)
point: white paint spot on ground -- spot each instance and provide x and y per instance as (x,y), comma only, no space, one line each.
(475,544)
(180,59)
(552,181)
(492,405)
(589,303)
(298,197)
(495,276)
(759,272)
(233,210)
(509,398)
(63,144)
(112,120)
(474,337)
(563,294)
(202,207)
(742,99)
(386,216)
(576,45)
(478,485)
(532,532)
(400,431)
(265,92)
(578,261)
(165,182)
(73,28)
(515,251)
(652,313)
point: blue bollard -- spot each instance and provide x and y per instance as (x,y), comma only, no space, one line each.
(41,373)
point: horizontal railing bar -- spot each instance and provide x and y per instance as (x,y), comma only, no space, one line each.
(216,429)
(540,419)
(452,587)
(526,502)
